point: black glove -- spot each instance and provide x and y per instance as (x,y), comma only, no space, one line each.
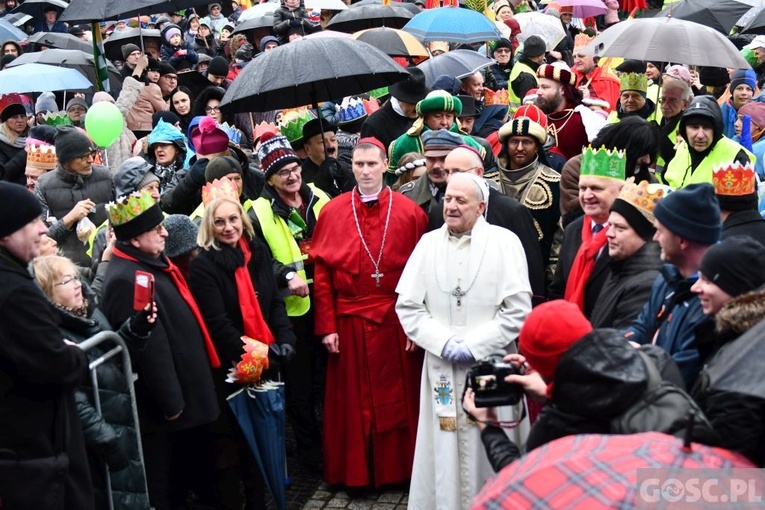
(295,23)
(288,352)
(197,174)
(116,457)
(139,323)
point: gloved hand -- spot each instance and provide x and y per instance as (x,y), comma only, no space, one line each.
(139,323)
(295,23)
(116,457)
(457,351)
(288,352)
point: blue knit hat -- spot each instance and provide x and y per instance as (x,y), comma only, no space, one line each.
(743,77)
(692,213)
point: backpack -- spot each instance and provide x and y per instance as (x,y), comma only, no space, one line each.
(663,407)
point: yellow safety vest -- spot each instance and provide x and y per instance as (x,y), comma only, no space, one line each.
(518,68)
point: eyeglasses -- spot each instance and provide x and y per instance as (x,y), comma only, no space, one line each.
(286,172)
(212,109)
(526,144)
(170,77)
(67,281)
(452,171)
(88,155)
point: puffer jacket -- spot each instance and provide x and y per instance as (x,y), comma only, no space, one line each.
(283,18)
(110,436)
(148,102)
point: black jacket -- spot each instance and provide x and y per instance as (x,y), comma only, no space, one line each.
(330,177)
(174,370)
(38,376)
(745,223)
(13,163)
(211,278)
(627,288)
(386,125)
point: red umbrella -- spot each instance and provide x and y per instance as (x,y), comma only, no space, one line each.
(595,471)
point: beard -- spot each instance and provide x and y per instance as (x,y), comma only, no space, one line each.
(549,106)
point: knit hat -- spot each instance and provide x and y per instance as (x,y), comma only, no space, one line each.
(210,6)
(181,235)
(534,46)
(208,138)
(756,111)
(127,49)
(636,203)
(503,43)
(169,30)
(267,39)
(634,82)
(42,157)
(550,329)
(743,77)
(736,187)
(46,103)
(133,174)
(76,101)
(221,167)
(559,73)
(523,126)
(165,68)
(72,143)
(317,126)
(274,153)
(10,105)
(679,72)
(692,213)
(164,115)
(440,142)
(218,66)
(134,214)
(439,101)
(17,208)
(631,66)
(412,89)
(42,135)
(735,265)
(101,96)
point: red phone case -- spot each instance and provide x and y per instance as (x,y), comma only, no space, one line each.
(143,291)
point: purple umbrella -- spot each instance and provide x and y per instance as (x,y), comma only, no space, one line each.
(583,8)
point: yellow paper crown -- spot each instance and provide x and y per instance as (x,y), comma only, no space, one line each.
(582,40)
(643,196)
(734,180)
(129,207)
(604,163)
(222,187)
(41,156)
(633,81)
(500,97)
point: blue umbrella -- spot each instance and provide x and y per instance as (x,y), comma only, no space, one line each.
(452,24)
(260,414)
(9,31)
(41,78)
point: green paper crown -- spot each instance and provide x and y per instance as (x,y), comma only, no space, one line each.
(633,81)
(129,207)
(57,119)
(604,163)
(292,122)
(378,93)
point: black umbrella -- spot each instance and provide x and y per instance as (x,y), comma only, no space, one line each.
(756,25)
(60,41)
(456,63)
(254,24)
(369,16)
(195,81)
(37,7)
(718,14)
(113,45)
(404,5)
(87,11)
(74,59)
(311,70)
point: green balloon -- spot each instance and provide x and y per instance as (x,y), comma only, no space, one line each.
(103,122)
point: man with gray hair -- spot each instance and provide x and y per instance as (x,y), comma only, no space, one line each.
(468,306)
(675,97)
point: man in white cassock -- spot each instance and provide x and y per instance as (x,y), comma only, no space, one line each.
(463,296)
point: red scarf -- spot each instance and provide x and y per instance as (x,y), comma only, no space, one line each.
(183,290)
(584,263)
(254,325)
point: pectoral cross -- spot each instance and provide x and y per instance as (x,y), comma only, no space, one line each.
(377,275)
(458,294)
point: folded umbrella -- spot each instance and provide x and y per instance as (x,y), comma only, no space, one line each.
(718,14)
(370,16)
(452,24)
(60,41)
(456,63)
(41,78)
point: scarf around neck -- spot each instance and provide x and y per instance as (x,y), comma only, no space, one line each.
(584,263)
(255,326)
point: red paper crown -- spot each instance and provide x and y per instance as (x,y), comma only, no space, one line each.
(500,97)
(734,180)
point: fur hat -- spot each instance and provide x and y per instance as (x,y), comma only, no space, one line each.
(181,235)
(17,208)
(523,126)
(208,138)
(127,49)
(274,153)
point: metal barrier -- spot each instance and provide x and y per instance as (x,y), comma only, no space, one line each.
(119,349)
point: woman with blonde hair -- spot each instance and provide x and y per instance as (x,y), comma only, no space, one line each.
(13,136)
(110,436)
(233,282)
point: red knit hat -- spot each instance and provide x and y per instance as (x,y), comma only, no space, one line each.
(208,138)
(550,329)
(558,73)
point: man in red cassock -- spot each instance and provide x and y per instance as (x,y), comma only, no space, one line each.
(360,246)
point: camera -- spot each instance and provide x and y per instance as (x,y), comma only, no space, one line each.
(487,380)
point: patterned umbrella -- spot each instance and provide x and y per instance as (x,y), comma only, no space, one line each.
(395,43)
(549,28)
(596,471)
(452,24)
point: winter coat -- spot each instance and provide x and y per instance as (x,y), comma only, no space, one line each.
(627,288)
(122,149)
(386,125)
(332,178)
(59,191)
(283,21)
(110,436)
(148,102)
(13,161)
(38,376)
(211,278)
(498,75)
(738,418)
(174,370)
(207,46)
(171,56)
(744,223)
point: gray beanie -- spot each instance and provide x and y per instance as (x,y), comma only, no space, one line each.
(46,103)
(181,235)
(134,173)
(71,143)
(534,46)
(76,101)
(127,49)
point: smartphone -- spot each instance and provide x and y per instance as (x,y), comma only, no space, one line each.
(143,291)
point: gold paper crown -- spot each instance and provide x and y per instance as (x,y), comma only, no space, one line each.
(582,40)
(222,187)
(129,207)
(500,97)
(41,156)
(734,180)
(633,81)
(604,163)
(643,196)
(292,122)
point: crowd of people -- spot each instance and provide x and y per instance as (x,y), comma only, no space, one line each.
(593,224)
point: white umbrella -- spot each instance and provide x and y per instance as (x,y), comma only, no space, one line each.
(667,40)
(549,28)
(330,5)
(259,10)
(41,78)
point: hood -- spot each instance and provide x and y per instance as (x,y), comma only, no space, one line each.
(267,39)
(741,313)
(166,133)
(131,173)
(703,106)
(600,376)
